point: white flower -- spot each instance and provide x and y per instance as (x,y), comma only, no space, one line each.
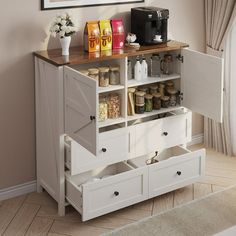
(62,33)
(56,27)
(63,22)
(68,29)
(54,34)
(64,27)
(63,16)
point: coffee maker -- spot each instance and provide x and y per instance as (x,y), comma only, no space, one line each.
(150,25)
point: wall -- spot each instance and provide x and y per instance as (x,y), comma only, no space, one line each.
(24,29)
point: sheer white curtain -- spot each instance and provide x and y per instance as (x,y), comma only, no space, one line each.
(220,15)
(231,47)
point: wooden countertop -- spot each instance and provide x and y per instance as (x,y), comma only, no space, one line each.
(79,56)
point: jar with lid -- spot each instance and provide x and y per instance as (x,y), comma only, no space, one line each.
(148,102)
(157,101)
(103,76)
(153,89)
(165,101)
(162,89)
(113,102)
(167,64)
(144,89)
(103,109)
(169,85)
(94,73)
(114,75)
(155,65)
(139,108)
(139,97)
(173,96)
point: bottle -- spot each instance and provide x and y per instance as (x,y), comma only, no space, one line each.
(144,69)
(129,70)
(138,70)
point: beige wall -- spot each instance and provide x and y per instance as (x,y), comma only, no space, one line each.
(24,29)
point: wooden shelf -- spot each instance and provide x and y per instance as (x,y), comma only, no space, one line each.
(79,56)
(110,88)
(153,113)
(150,80)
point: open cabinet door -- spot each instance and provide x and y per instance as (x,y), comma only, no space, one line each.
(202,84)
(81,108)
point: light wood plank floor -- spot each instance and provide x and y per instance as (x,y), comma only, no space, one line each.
(36,214)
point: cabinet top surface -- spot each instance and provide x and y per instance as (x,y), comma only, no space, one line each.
(79,56)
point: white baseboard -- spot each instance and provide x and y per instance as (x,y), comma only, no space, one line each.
(18,190)
(196,139)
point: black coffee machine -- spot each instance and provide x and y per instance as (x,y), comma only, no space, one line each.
(150,25)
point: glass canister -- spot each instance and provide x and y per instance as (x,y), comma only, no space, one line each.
(162,89)
(173,96)
(153,89)
(169,85)
(157,101)
(94,73)
(148,102)
(139,108)
(103,76)
(114,75)
(139,97)
(165,102)
(103,109)
(144,89)
(167,64)
(155,65)
(129,68)
(113,102)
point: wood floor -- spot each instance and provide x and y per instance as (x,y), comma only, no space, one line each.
(36,214)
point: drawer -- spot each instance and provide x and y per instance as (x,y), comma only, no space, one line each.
(113,147)
(177,167)
(162,133)
(107,189)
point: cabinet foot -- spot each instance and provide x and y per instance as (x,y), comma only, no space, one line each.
(61,209)
(39,188)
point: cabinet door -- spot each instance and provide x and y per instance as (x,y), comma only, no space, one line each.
(202,84)
(81,109)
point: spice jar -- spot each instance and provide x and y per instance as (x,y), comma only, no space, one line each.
(103,109)
(139,97)
(169,85)
(139,108)
(153,89)
(165,101)
(148,102)
(173,97)
(143,89)
(167,64)
(103,76)
(113,103)
(94,73)
(162,89)
(114,75)
(84,72)
(157,101)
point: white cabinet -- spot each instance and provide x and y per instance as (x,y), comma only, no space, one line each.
(101,166)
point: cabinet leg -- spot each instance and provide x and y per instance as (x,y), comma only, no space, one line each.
(61,209)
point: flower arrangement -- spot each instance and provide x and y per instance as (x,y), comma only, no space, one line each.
(63,26)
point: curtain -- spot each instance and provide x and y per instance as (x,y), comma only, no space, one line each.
(219,15)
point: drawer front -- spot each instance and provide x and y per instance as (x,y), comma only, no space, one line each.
(114,144)
(113,147)
(176,172)
(160,134)
(115,192)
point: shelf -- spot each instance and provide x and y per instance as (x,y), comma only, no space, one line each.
(153,113)
(110,88)
(109,122)
(150,80)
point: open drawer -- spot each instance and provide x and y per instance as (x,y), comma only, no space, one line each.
(106,189)
(176,168)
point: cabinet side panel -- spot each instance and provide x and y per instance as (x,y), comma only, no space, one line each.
(49,127)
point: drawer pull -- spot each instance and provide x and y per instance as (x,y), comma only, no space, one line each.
(165,133)
(92,118)
(104,149)
(116,193)
(179,173)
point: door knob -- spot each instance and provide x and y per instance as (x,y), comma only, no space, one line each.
(104,149)
(116,193)
(179,173)
(165,133)
(92,118)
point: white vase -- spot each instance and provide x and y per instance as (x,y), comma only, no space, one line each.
(65,45)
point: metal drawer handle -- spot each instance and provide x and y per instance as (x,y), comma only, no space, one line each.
(104,149)
(116,193)
(179,173)
(165,133)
